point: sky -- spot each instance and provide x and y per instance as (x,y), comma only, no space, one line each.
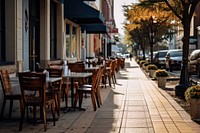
(118,13)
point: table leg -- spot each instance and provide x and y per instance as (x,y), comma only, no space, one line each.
(72,92)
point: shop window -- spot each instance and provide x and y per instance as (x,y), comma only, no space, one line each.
(2,31)
(74,42)
(67,41)
(53,27)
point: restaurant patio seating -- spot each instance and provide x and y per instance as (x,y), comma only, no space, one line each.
(113,70)
(33,89)
(107,73)
(92,91)
(8,92)
(54,88)
(97,85)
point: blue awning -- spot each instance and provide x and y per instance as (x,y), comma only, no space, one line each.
(94,28)
(81,13)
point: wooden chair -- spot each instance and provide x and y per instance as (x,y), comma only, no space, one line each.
(30,83)
(92,91)
(97,85)
(54,89)
(65,84)
(77,67)
(8,92)
(107,73)
(113,70)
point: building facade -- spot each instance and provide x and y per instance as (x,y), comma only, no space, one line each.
(46,31)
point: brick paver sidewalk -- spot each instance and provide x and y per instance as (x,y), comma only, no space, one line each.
(137,105)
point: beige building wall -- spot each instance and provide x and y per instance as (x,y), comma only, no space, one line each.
(19,62)
(44,32)
(60,31)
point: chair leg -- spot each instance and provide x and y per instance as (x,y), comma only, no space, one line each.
(22,117)
(3,107)
(99,97)
(80,99)
(34,114)
(97,100)
(115,78)
(76,99)
(44,118)
(109,80)
(53,113)
(105,81)
(93,101)
(66,96)
(58,99)
(10,108)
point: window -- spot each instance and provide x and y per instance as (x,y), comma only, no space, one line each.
(53,19)
(67,40)
(2,30)
(74,42)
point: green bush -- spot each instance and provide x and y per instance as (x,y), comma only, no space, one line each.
(152,67)
(192,92)
(146,64)
(142,62)
(161,73)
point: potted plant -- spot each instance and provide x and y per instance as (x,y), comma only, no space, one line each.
(192,95)
(145,66)
(142,62)
(152,68)
(161,75)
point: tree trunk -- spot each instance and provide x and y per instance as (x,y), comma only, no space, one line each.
(184,77)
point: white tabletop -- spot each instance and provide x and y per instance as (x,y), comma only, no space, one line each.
(51,79)
(91,68)
(77,75)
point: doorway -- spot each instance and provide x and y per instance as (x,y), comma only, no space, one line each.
(34,33)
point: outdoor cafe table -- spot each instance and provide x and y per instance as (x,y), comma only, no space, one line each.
(73,75)
(91,68)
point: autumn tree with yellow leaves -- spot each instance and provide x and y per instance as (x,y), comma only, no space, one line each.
(143,21)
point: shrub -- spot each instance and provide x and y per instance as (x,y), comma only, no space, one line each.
(161,73)
(152,67)
(142,62)
(192,92)
(146,64)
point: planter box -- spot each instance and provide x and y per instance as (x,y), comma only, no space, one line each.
(161,82)
(151,72)
(195,108)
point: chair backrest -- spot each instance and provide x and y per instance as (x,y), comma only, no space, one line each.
(113,66)
(76,67)
(95,79)
(31,83)
(53,72)
(5,82)
(99,77)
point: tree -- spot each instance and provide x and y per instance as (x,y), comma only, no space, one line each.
(147,23)
(184,10)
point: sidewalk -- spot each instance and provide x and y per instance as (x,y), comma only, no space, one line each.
(135,105)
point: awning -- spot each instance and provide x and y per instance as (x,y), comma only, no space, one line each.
(94,28)
(81,13)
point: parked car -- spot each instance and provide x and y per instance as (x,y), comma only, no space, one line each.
(174,59)
(194,62)
(149,56)
(159,59)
